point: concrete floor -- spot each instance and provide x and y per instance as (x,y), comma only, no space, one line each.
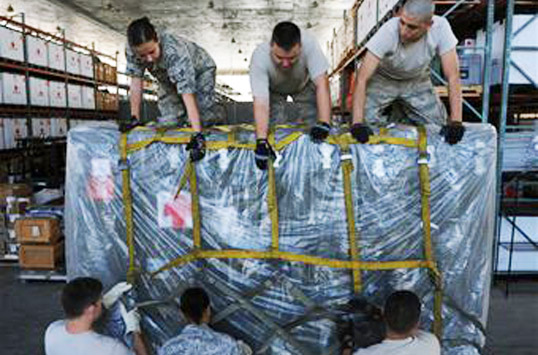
(28,307)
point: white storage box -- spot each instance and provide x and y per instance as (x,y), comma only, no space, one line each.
(86,65)
(58,127)
(57,94)
(384,6)
(11,44)
(366,19)
(88,97)
(74,94)
(14,128)
(13,89)
(41,127)
(56,57)
(37,51)
(72,62)
(39,92)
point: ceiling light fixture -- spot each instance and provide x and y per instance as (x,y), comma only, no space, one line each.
(210,5)
(308,25)
(315,4)
(239,51)
(233,39)
(10,9)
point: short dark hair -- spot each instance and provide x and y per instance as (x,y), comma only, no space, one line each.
(402,311)
(80,293)
(194,301)
(141,31)
(285,35)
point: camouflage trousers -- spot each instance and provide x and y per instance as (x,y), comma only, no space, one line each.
(173,111)
(303,109)
(407,101)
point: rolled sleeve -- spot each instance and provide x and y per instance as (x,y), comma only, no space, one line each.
(259,76)
(384,40)
(447,40)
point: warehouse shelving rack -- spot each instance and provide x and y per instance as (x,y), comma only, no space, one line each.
(497,104)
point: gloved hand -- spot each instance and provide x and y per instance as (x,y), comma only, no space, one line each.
(197,147)
(110,297)
(126,126)
(361,132)
(453,132)
(320,132)
(263,153)
(131,319)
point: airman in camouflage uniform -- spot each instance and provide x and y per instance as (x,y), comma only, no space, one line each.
(184,67)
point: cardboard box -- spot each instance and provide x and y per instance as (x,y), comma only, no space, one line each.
(38,230)
(17,190)
(72,62)
(39,92)
(41,127)
(74,93)
(14,128)
(88,97)
(100,100)
(110,74)
(41,256)
(58,127)
(56,57)
(37,51)
(86,65)
(11,44)
(100,71)
(57,94)
(13,89)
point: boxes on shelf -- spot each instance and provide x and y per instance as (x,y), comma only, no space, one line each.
(74,93)
(57,94)
(72,62)
(41,256)
(13,89)
(39,92)
(37,51)
(343,41)
(14,190)
(11,44)
(471,69)
(100,71)
(14,128)
(86,65)
(384,6)
(58,127)
(88,97)
(107,101)
(42,230)
(56,56)
(41,127)
(110,74)
(366,19)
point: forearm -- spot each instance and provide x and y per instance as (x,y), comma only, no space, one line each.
(139,346)
(455,100)
(261,117)
(359,101)
(323,99)
(192,111)
(135,97)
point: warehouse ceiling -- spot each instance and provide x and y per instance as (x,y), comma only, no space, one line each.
(228,29)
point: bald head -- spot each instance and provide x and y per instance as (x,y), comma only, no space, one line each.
(420,9)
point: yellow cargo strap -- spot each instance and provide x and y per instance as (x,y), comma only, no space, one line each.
(128,205)
(195,206)
(272,201)
(425,193)
(347,168)
(287,256)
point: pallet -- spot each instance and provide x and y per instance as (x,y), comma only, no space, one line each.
(43,275)
(466,91)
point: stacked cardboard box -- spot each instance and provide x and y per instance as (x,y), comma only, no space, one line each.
(14,199)
(42,246)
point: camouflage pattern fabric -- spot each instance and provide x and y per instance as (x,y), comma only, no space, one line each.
(184,67)
(304,108)
(407,101)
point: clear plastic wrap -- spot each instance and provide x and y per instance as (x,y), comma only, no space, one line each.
(271,304)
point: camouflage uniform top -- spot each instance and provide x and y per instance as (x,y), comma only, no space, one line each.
(200,339)
(181,62)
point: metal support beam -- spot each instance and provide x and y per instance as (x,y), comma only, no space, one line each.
(524,73)
(487,61)
(504,110)
(454,7)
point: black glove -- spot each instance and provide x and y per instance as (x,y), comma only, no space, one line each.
(453,132)
(127,125)
(320,132)
(263,153)
(361,132)
(197,147)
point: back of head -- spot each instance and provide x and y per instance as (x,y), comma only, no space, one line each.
(422,10)
(286,35)
(141,31)
(194,301)
(80,293)
(402,311)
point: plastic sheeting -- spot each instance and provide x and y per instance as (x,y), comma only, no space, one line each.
(274,305)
